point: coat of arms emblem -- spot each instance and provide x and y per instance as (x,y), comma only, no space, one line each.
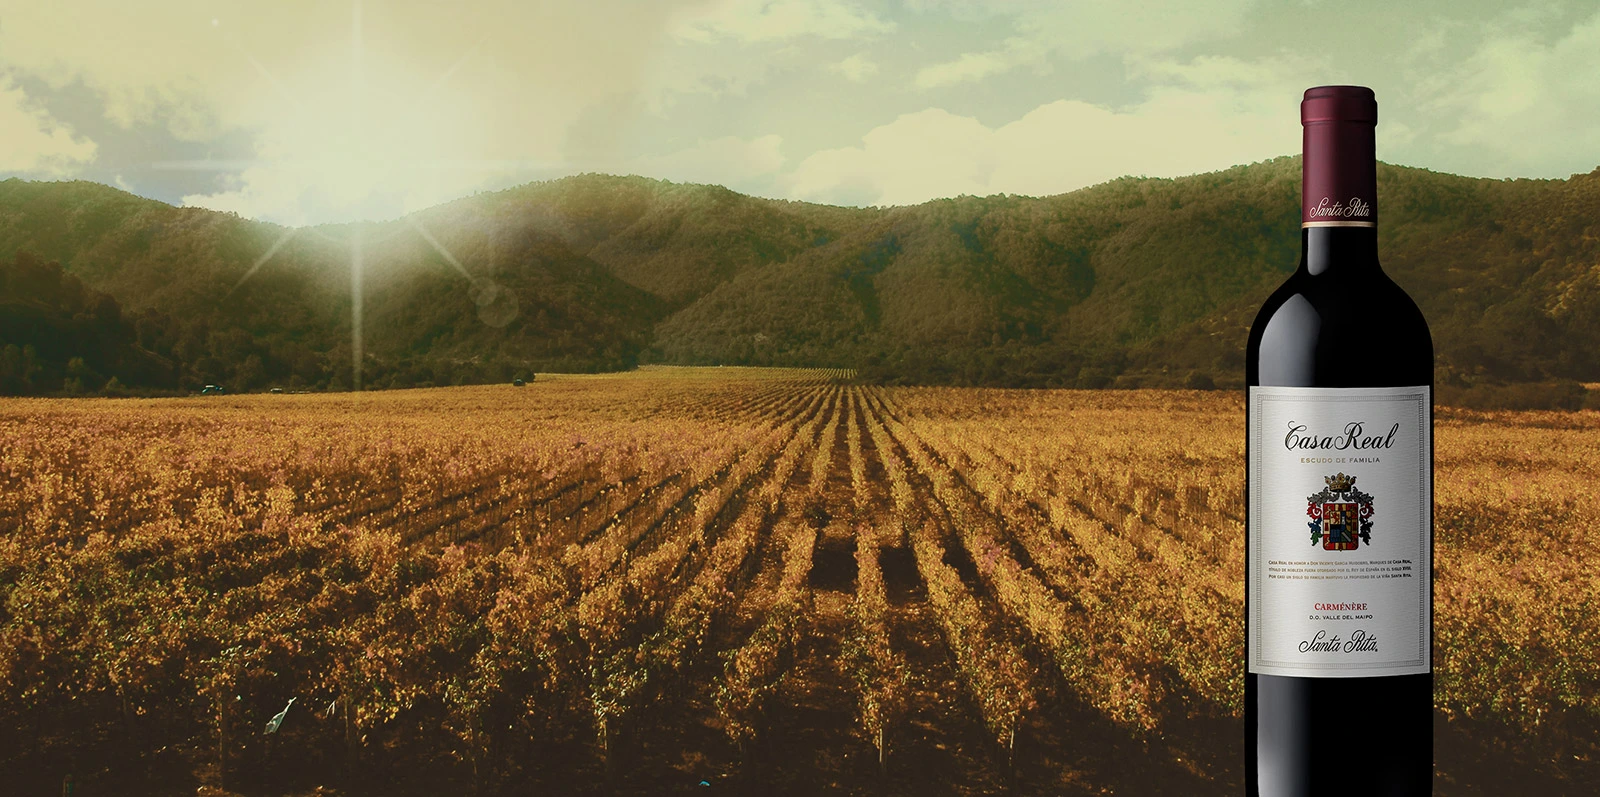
(1340,515)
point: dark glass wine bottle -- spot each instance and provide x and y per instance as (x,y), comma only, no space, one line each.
(1339,539)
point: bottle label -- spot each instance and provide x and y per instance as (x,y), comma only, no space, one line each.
(1339,559)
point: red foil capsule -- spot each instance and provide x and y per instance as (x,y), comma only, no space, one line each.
(1340,187)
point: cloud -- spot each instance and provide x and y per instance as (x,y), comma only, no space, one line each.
(856,69)
(1205,115)
(492,87)
(1521,107)
(1077,31)
(918,156)
(727,161)
(751,21)
(336,190)
(969,68)
(33,143)
(784,97)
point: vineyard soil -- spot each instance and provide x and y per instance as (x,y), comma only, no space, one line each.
(714,580)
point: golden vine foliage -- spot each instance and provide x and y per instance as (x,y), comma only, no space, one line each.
(467,573)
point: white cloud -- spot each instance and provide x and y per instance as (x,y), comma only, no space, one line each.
(33,143)
(856,69)
(969,68)
(728,49)
(1205,115)
(1083,29)
(492,92)
(726,161)
(338,190)
(489,86)
(772,20)
(1520,107)
(918,156)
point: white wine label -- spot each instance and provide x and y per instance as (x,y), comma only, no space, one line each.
(1340,532)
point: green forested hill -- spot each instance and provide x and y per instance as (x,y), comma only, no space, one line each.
(57,335)
(1133,282)
(526,302)
(1156,282)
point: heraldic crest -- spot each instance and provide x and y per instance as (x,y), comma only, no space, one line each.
(1340,514)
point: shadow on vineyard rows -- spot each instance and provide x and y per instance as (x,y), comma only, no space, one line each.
(719,581)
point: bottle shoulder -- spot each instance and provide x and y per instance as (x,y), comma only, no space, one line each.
(1339,331)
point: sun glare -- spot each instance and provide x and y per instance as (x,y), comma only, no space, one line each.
(358,132)
(356,137)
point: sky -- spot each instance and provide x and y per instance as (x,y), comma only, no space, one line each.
(306,112)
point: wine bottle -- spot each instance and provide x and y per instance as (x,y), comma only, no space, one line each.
(1339,461)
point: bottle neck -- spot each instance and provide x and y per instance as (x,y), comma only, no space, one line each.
(1339,199)
(1339,251)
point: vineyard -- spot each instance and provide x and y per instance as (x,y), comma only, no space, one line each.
(723,581)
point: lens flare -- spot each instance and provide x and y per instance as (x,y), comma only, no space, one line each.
(360,167)
(262,260)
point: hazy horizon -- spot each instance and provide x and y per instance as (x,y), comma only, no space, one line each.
(318,113)
(535,181)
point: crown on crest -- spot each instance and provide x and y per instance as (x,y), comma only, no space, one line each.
(1339,483)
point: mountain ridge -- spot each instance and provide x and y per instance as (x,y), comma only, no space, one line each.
(1132,282)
